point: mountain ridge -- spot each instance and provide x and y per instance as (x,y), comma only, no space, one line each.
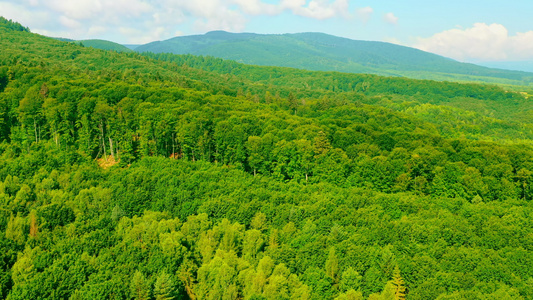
(323,52)
(104,45)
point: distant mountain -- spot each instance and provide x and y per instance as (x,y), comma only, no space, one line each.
(131,46)
(322,52)
(63,39)
(526,66)
(98,44)
(104,45)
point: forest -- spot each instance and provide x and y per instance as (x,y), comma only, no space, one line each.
(159,176)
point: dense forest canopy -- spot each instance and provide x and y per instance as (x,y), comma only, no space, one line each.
(104,45)
(129,176)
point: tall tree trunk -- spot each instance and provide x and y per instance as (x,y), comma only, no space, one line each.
(111,147)
(174,145)
(56,137)
(103,139)
(35,129)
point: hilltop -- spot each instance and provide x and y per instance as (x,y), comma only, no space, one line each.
(104,45)
(97,44)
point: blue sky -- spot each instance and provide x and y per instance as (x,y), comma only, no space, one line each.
(466,30)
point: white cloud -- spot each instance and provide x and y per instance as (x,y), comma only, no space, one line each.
(317,9)
(390,18)
(69,23)
(393,40)
(522,45)
(223,20)
(140,36)
(101,10)
(481,42)
(143,19)
(18,13)
(256,7)
(208,14)
(365,13)
(95,31)
(79,9)
(26,2)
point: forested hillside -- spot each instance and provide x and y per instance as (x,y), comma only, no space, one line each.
(104,45)
(323,52)
(129,176)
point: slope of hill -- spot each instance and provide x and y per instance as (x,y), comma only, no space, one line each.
(179,177)
(104,45)
(97,44)
(131,46)
(317,51)
(526,66)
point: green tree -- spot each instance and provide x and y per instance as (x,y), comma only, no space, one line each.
(30,110)
(104,114)
(139,287)
(524,179)
(253,145)
(164,287)
(350,295)
(16,229)
(252,244)
(259,222)
(332,265)
(305,151)
(350,280)
(293,102)
(398,284)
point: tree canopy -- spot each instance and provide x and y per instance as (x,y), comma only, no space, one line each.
(178,177)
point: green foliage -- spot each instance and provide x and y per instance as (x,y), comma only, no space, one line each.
(350,280)
(9,24)
(164,287)
(139,288)
(332,265)
(350,295)
(104,45)
(122,176)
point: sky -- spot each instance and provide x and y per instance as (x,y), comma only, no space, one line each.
(490,31)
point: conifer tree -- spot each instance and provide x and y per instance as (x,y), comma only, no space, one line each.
(399,284)
(164,286)
(259,222)
(139,287)
(332,265)
(321,144)
(350,279)
(15,229)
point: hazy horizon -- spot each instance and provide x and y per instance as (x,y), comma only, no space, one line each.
(526,66)
(474,31)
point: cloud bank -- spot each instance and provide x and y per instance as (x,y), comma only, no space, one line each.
(365,13)
(390,18)
(482,42)
(142,21)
